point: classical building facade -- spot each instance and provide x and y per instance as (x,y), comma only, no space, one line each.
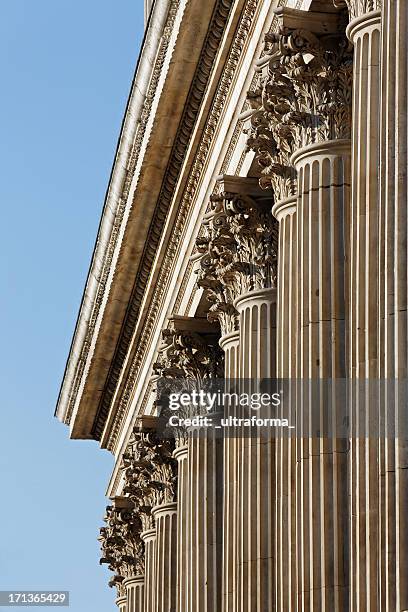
(255,228)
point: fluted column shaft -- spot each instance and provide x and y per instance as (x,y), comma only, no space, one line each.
(393,343)
(255,472)
(230,345)
(165,557)
(286,333)
(204,522)
(181,454)
(365,33)
(149,538)
(134,594)
(121,603)
(322,521)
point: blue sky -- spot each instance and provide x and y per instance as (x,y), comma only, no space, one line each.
(66,68)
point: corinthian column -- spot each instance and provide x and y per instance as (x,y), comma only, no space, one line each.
(144,493)
(149,538)
(322,476)
(272,142)
(315,63)
(134,594)
(164,481)
(123,551)
(286,335)
(240,271)
(181,456)
(212,245)
(230,345)
(160,533)
(256,492)
(393,345)
(364,31)
(324,171)
(121,603)
(167,365)
(166,553)
(192,354)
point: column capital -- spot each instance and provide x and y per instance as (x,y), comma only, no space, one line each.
(189,350)
(304,94)
(121,545)
(150,474)
(191,353)
(269,137)
(239,248)
(314,71)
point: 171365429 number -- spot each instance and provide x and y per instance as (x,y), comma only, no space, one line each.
(34,598)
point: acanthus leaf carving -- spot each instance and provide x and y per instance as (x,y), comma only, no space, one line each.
(239,252)
(150,474)
(193,359)
(269,137)
(320,69)
(304,98)
(121,545)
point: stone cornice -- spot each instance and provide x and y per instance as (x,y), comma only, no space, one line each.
(132,378)
(88,426)
(192,107)
(83,366)
(147,75)
(220,97)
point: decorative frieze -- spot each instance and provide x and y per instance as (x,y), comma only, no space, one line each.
(121,545)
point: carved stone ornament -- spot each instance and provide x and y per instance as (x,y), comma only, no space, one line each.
(357,8)
(239,252)
(193,358)
(270,136)
(304,98)
(150,474)
(121,545)
(320,69)
(189,354)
